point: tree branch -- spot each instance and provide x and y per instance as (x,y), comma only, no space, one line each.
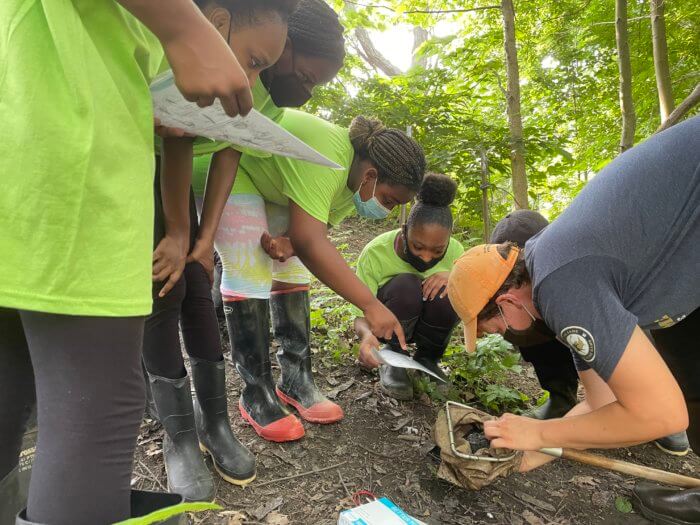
(683,108)
(424,11)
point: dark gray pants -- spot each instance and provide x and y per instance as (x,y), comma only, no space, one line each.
(85,375)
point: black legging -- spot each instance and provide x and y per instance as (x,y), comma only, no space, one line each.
(551,360)
(189,304)
(403,295)
(678,345)
(85,373)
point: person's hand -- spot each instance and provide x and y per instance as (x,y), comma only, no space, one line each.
(167,131)
(383,323)
(435,285)
(203,253)
(514,432)
(169,262)
(205,69)
(366,357)
(278,248)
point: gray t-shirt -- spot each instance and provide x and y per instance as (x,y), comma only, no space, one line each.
(626,252)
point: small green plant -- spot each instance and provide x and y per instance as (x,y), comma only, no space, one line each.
(484,374)
(331,323)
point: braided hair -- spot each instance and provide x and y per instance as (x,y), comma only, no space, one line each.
(399,159)
(434,197)
(246,13)
(314,30)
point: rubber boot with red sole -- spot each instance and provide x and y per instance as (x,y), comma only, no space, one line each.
(248,324)
(291,328)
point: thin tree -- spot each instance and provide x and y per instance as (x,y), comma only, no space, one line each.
(629,118)
(515,122)
(661,67)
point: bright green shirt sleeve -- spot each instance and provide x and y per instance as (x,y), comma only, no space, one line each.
(322,192)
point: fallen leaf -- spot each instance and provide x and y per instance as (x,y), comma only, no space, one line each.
(536,502)
(584,481)
(401,423)
(234,517)
(265,509)
(380,469)
(532,518)
(275,518)
(332,394)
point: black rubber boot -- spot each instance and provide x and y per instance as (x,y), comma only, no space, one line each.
(562,398)
(668,506)
(291,328)
(12,497)
(249,329)
(150,412)
(142,503)
(431,343)
(187,473)
(234,462)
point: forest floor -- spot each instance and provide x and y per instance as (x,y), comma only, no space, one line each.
(382,446)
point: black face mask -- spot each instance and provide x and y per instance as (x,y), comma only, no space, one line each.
(287,91)
(536,334)
(415,261)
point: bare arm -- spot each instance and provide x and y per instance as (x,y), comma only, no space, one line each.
(309,238)
(205,68)
(220,179)
(175,175)
(641,402)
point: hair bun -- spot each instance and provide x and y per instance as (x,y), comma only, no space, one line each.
(437,190)
(363,130)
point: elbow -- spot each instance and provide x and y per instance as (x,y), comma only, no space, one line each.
(301,242)
(667,420)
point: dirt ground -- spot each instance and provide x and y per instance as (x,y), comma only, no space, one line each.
(381,446)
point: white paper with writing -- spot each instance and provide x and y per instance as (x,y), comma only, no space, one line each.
(391,358)
(254,131)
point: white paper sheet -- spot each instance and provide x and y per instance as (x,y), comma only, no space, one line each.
(254,130)
(391,358)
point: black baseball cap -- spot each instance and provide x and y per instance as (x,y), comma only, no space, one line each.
(518,226)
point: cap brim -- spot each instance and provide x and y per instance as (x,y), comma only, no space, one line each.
(470,335)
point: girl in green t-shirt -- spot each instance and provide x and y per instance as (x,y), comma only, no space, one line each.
(76,157)
(274,226)
(256,31)
(407,269)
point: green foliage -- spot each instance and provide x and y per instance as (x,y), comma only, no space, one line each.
(331,323)
(485,373)
(623,505)
(168,512)
(569,83)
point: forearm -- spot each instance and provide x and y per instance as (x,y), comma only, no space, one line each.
(362,328)
(175,180)
(323,260)
(182,16)
(222,175)
(610,426)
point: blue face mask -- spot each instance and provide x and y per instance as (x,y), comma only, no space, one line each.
(371,209)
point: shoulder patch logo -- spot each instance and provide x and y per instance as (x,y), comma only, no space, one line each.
(580,341)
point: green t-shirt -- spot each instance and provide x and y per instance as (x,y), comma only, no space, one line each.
(379,263)
(76,158)
(203,148)
(321,191)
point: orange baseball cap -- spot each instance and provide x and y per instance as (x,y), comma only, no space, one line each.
(475,277)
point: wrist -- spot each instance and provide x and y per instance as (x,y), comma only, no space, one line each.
(367,303)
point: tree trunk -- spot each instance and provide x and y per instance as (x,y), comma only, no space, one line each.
(629,119)
(420,35)
(683,108)
(485,185)
(515,123)
(661,68)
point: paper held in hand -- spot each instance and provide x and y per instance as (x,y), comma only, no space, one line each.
(254,131)
(391,358)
